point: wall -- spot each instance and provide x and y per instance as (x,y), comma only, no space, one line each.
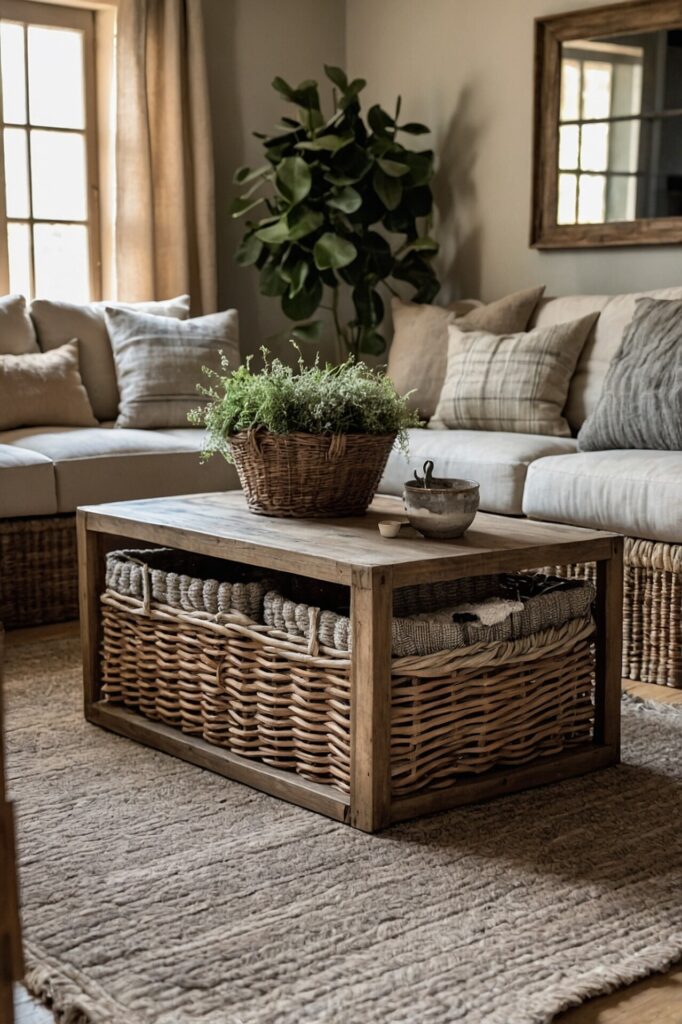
(465,67)
(248,43)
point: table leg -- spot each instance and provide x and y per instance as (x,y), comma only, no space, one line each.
(609,614)
(92,547)
(371,612)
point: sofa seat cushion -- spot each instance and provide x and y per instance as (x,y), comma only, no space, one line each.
(636,493)
(27,483)
(497,461)
(94,465)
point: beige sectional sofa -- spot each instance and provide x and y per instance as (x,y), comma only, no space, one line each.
(635,493)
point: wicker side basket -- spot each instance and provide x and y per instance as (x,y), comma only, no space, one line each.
(285,700)
(38,571)
(309,475)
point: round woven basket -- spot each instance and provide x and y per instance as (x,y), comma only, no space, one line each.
(307,475)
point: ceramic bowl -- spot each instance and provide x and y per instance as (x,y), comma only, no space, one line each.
(444,510)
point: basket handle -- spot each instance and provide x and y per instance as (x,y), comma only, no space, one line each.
(337,447)
(313,642)
(253,436)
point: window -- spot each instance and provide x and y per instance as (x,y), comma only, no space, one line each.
(599,132)
(49,238)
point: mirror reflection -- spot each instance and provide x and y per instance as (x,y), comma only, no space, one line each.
(620,130)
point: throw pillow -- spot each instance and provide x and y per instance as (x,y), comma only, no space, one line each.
(511,382)
(159,362)
(641,402)
(419,350)
(44,389)
(16,330)
(56,322)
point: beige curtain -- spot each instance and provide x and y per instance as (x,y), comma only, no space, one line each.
(165,206)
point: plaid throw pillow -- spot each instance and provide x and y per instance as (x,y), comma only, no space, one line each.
(511,382)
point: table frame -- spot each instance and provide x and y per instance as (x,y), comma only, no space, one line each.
(371,805)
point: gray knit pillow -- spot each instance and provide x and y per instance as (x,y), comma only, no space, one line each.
(641,402)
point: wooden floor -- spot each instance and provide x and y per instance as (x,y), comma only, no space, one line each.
(657,1000)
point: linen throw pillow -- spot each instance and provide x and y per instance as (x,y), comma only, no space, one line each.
(511,382)
(641,402)
(44,389)
(56,322)
(16,329)
(419,350)
(159,362)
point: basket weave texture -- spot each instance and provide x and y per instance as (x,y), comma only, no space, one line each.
(309,475)
(38,571)
(285,699)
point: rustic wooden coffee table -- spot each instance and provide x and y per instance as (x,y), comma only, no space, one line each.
(351,552)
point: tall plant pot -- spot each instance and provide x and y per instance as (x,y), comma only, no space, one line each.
(309,475)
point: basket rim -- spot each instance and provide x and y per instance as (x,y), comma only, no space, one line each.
(296,434)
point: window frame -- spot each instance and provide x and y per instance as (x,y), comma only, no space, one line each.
(28,12)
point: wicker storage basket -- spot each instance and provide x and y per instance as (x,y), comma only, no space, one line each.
(284,699)
(309,475)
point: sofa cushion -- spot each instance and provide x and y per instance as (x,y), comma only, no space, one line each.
(58,322)
(27,483)
(636,493)
(615,313)
(17,335)
(418,356)
(159,362)
(44,388)
(94,465)
(497,461)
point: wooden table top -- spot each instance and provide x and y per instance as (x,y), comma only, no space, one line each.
(220,524)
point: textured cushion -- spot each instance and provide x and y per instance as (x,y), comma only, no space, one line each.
(16,328)
(159,362)
(514,382)
(44,387)
(641,402)
(498,462)
(97,465)
(418,355)
(616,312)
(27,483)
(636,493)
(57,322)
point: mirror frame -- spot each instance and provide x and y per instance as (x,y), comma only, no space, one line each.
(550,33)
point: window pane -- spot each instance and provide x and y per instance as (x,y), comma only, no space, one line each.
(61,262)
(594,147)
(596,89)
(592,199)
(16,172)
(58,175)
(621,202)
(55,69)
(19,246)
(569,145)
(570,90)
(13,76)
(624,146)
(567,195)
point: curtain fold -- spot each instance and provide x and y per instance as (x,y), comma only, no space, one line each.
(165,201)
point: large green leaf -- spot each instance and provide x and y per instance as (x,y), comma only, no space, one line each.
(244,174)
(351,164)
(424,244)
(389,190)
(421,166)
(294,179)
(337,76)
(271,281)
(350,94)
(308,332)
(368,304)
(274,234)
(242,205)
(346,199)
(331,143)
(414,128)
(248,251)
(371,342)
(304,303)
(331,252)
(393,168)
(379,121)
(303,221)
(297,277)
(284,89)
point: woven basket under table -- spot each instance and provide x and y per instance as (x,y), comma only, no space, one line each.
(285,700)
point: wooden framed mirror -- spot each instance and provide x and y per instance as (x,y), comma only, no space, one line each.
(608,127)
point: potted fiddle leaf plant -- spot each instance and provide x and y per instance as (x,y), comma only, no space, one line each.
(342,204)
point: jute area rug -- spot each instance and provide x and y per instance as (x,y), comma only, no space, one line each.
(157,893)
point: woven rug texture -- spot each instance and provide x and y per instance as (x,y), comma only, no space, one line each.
(158,893)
